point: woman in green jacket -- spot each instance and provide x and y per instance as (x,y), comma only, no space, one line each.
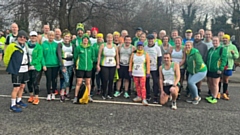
(35,56)
(197,71)
(83,59)
(232,54)
(216,61)
(50,64)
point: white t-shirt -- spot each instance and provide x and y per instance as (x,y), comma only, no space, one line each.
(93,40)
(209,44)
(153,52)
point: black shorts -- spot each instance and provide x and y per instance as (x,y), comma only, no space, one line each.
(123,72)
(83,74)
(166,89)
(20,78)
(213,74)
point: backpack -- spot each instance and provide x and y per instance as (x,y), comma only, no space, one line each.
(83,94)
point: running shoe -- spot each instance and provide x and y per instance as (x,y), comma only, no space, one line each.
(219,96)
(98,92)
(31,98)
(225,96)
(189,100)
(109,97)
(75,100)
(90,99)
(53,97)
(56,92)
(15,109)
(35,101)
(212,100)
(195,102)
(62,99)
(144,102)
(126,95)
(67,95)
(155,101)
(117,94)
(104,98)
(149,99)
(20,103)
(48,97)
(174,105)
(209,97)
(137,99)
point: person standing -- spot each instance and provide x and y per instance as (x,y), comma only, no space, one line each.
(202,34)
(16,60)
(80,31)
(2,44)
(44,36)
(216,61)
(174,34)
(208,39)
(108,61)
(96,74)
(50,65)
(188,36)
(139,31)
(232,54)
(93,38)
(166,47)
(139,69)
(124,33)
(65,52)
(125,52)
(58,36)
(83,59)
(155,55)
(35,52)
(202,48)
(12,36)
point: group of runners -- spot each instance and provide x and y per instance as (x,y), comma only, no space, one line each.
(113,64)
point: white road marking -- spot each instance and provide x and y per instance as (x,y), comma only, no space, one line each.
(94,101)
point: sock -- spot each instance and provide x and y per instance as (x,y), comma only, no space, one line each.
(219,85)
(19,99)
(225,87)
(67,92)
(13,102)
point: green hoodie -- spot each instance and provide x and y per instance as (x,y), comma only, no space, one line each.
(50,58)
(83,57)
(195,62)
(77,41)
(216,59)
(37,56)
(231,57)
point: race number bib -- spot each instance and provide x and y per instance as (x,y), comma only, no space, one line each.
(110,60)
(138,67)
(124,60)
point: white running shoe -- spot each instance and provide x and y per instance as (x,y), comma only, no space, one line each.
(48,97)
(53,96)
(174,105)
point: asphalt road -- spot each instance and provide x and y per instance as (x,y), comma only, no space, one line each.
(50,118)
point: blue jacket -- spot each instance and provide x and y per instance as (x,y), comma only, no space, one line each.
(13,58)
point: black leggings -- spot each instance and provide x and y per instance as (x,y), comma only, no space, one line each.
(33,81)
(155,79)
(51,78)
(107,76)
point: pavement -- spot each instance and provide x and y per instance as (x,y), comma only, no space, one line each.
(55,118)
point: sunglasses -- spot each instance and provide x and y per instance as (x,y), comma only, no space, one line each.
(22,37)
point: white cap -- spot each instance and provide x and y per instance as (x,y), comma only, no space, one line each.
(33,33)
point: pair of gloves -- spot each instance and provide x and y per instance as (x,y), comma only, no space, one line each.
(130,74)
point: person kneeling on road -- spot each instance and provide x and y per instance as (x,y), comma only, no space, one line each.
(169,77)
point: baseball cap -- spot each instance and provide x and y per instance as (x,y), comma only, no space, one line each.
(140,43)
(188,31)
(150,36)
(139,28)
(33,33)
